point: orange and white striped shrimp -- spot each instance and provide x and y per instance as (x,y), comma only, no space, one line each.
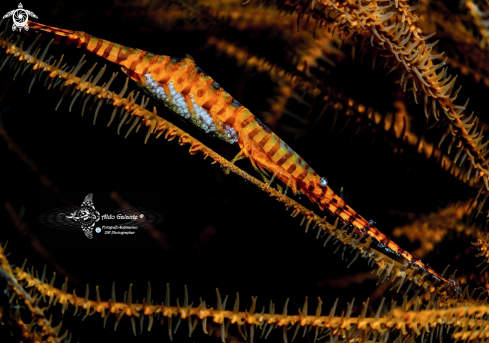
(184,88)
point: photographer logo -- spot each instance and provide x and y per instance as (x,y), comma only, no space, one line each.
(20,16)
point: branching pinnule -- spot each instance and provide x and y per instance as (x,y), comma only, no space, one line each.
(411,50)
(433,228)
(465,52)
(482,245)
(48,333)
(397,320)
(393,28)
(397,130)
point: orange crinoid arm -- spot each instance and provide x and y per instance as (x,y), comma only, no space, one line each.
(184,88)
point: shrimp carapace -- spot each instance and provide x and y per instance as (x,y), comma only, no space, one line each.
(183,87)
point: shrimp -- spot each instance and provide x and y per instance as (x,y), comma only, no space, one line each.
(187,90)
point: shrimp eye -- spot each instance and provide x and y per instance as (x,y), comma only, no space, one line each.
(323,182)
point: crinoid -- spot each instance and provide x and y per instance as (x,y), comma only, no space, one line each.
(315,73)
